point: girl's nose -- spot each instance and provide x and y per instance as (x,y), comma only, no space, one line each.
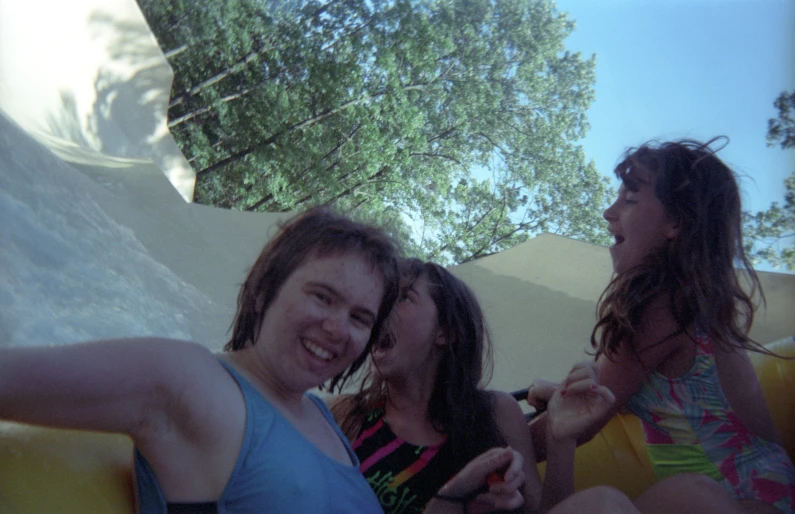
(334,325)
(609,213)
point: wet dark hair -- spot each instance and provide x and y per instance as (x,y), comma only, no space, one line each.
(317,232)
(457,407)
(696,270)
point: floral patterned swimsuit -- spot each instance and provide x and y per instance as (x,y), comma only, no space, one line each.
(690,427)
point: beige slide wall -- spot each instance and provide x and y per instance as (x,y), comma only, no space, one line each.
(86,79)
(540,300)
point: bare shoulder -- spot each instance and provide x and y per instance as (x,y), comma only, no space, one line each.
(659,344)
(201,426)
(504,403)
(658,329)
(185,361)
(189,376)
(509,417)
(196,399)
(203,388)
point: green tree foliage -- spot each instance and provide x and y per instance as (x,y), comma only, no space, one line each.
(781,130)
(452,121)
(770,234)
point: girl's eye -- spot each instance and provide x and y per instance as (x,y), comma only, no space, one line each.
(323,297)
(361,320)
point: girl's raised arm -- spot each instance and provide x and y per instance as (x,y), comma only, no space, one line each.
(658,339)
(131,386)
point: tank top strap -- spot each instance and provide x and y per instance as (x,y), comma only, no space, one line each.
(704,344)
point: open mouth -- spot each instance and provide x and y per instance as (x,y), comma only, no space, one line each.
(385,341)
(618,239)
(317,351)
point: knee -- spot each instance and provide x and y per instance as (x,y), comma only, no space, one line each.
(604,499)
(691,492)
(687,482)
(608,494)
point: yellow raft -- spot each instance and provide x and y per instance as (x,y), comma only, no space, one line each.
(68,471)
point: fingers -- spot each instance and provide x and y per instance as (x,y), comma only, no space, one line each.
(500,460)
(515,470)
(585,385)
(475,473)
(489,501)
(583,381)
(540,392)
(504,494)
(606,394)
(589,387)
(581,371)
(513,478)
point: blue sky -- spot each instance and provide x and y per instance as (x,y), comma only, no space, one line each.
(668,69)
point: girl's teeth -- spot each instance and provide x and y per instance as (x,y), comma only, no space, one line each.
(317,351)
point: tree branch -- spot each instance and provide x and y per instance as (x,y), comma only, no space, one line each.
(218,77)
(198,112)
(305,123)
(175,51)
(425,154)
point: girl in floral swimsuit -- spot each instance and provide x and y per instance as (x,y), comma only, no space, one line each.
(691,427)
(672,337)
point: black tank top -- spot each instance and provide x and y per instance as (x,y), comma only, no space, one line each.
(404,476)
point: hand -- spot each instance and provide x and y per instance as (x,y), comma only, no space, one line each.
(504,494)
(578,403)
(540,392)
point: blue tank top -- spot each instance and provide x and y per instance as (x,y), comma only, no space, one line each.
(278,469)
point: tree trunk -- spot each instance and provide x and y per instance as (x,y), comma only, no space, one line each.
(218,77)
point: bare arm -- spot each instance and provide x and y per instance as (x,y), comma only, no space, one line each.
(573,408)
(744,393)
(514,429)
(111,386)
(539,424)
(146,388)
(623,373)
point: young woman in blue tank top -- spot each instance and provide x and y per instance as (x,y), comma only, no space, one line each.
(237,432)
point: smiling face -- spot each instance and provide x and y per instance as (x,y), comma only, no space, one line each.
(413,334)
(637,220)
(320,321)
